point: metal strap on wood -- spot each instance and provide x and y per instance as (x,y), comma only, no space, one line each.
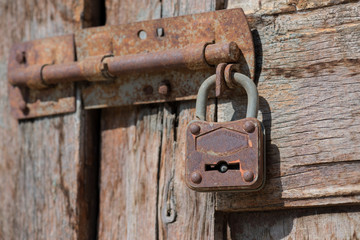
(138,63)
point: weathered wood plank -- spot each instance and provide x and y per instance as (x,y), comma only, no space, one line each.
(172,8)
(317,223)
(130,145)
(127,11)
(267,7)
(41,160)
(194,211)
(27,20)
(310,102)
(130,148)
(158,142)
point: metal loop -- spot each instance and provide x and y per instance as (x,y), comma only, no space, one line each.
(104,67)
(242,80)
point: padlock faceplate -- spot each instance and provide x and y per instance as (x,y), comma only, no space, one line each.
(236,147)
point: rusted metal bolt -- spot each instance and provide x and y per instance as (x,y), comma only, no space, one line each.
(248,176)
(249,126)
(196,177)
(20,57)
(164,88)
(194,129)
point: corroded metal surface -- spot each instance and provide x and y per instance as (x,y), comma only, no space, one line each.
(124,64)
(101,68)
(220,84)
(32,57)
(225,156)
(219,27)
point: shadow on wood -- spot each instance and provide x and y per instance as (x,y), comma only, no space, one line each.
(273,185)
(337,222)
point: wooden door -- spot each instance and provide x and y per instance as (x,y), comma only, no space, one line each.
(47,165)
(117,173)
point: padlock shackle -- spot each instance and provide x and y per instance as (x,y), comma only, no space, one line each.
(242,80)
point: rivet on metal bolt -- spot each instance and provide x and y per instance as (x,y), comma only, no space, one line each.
(164,88)
(196,177)
(248,176)
(249,126)
(194,129)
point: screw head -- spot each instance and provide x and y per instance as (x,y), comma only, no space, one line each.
(194,129)
(249,126)
(196,177)
(164,88)
(248,176)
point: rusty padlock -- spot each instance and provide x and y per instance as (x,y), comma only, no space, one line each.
(225,156)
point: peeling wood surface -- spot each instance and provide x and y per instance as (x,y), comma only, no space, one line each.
(42,169)
(321,223)
(309,91)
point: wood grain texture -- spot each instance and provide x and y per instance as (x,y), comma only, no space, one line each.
(43,193)
(194,211)
(127,11)
(142,160)
(27,20)
(130,146)
(183,213)
(268,7)
(320,223)
(309,91)
(172,8)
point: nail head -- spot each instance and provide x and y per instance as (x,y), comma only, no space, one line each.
(196,177)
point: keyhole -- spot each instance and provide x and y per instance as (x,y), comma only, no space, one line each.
(222,166)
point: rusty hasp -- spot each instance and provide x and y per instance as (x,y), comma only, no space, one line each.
(36,99)
(124,64)
(227,156)
(224,35)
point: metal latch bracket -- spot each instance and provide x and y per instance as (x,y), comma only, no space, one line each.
(139,63)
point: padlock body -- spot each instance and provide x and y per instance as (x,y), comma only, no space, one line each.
(225,156)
